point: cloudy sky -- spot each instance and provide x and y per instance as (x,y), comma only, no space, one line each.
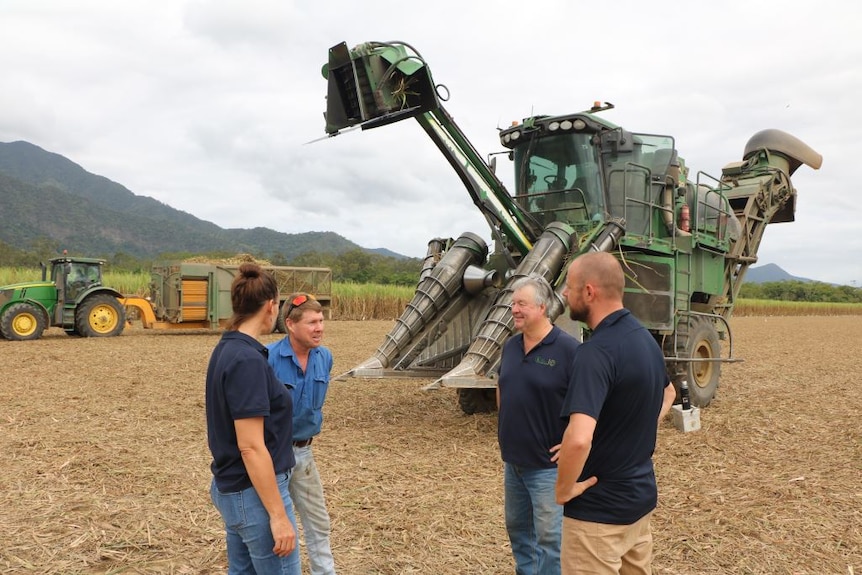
(208,105)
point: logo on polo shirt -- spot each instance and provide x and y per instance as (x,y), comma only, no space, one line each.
(550,362)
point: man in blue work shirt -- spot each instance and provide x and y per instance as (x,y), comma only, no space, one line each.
(303,364)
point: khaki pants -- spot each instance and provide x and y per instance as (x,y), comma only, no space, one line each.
(602,549)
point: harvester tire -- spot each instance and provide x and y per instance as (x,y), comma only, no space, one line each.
(100,315)
(698,339)
(477,400)
(22,322)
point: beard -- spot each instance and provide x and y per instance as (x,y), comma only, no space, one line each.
(578,311)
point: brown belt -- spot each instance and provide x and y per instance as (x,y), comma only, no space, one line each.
(303,443)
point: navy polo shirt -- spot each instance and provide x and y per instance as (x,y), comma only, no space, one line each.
(619,379)
(240,385)
(532,389)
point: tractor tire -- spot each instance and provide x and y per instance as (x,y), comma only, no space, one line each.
(100,315)
(477,400)
(698,339)
(280,325)
(22,322)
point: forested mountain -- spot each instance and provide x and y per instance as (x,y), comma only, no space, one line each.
(44,195)
(770,273)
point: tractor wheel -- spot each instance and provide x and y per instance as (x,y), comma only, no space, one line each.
(73,331)
(280,326)
(477,400)
(698,339)
(100,315)
(23,321)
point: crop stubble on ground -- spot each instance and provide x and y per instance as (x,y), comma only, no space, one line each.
(106,464)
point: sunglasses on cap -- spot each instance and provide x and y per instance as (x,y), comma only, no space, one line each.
(298,301)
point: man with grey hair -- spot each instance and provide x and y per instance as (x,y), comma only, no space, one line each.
(533,380)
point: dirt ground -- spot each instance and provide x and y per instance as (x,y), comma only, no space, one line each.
(106,463)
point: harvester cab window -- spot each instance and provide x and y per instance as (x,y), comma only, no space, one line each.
(557,178)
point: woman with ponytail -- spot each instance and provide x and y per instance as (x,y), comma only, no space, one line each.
(250,434)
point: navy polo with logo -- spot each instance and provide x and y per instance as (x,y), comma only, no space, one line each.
(532,389)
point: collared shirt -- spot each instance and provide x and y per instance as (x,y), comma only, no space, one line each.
(309,387)
(240,384)
(532,388)
(619,379)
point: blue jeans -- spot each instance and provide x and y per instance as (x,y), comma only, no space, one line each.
(306,491)
(534,521)
(248,534)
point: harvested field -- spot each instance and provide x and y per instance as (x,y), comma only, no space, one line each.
(106,465)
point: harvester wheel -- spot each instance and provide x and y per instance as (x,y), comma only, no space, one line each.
(477,400)
(23,321)
(100,315)
(698,339)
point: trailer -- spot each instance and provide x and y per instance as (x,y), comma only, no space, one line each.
(188,295)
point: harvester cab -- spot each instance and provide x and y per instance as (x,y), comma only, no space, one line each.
(581,184)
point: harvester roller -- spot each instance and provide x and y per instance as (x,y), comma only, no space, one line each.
(433,294)
(546,259)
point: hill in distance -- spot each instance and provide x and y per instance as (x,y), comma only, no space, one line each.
(770,273)
(46,195)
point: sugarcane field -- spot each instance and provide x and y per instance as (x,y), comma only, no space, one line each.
(107,465)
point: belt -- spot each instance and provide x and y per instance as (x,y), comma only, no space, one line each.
(303,443)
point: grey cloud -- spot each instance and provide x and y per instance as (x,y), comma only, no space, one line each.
(207,104)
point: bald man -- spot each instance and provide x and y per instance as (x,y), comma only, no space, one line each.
(618,393)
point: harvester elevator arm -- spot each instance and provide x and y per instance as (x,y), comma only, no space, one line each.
(486,190)
(378,83)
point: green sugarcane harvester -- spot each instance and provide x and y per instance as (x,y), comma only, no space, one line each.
(581,184)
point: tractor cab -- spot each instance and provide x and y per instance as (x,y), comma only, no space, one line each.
(75,277)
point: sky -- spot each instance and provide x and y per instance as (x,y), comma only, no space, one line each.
(209,105)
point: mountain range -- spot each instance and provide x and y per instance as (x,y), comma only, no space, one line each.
(44,194)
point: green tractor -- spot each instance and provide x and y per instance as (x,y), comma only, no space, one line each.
(73,298)
(581,184)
